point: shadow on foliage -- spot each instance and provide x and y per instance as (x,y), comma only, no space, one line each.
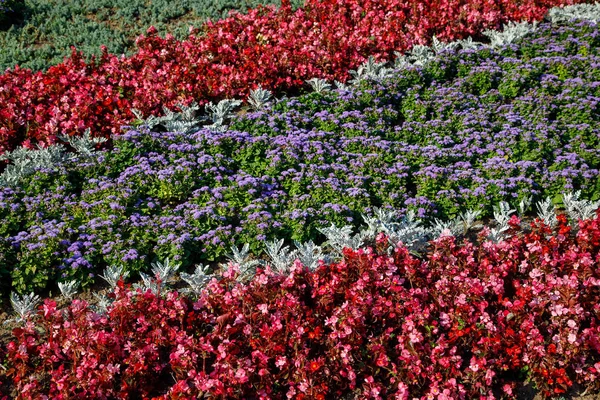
(16,13)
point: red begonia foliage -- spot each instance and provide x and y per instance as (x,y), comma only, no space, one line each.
(465,320)
(278,49)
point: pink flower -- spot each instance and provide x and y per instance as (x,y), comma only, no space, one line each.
(280,361)
(263,308)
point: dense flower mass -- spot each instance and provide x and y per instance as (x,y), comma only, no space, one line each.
(469,129)
(467,320)
(276,48)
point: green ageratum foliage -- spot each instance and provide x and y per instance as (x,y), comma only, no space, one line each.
(48,28)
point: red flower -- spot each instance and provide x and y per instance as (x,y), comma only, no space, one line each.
(314,366)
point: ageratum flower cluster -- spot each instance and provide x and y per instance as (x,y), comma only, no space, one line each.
(466,130)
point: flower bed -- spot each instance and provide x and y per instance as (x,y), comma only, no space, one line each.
(466,131)
(467,320)
(276,48)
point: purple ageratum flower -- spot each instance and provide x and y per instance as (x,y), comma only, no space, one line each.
(129,255)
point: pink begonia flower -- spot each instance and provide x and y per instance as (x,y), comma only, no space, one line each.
(241,376)
(402,393)
(280,361)
(263,308)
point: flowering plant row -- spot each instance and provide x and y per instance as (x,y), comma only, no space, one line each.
(45,37)
(467,320)
(468,130)
(276,48)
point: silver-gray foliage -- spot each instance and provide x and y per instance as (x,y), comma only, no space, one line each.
(467,220)
(163,273)
(112,274)
(579,209)
(186,121)
(242,258)
(198,280)
(547,212)
(25,305)
(69,288)
(409,232)
(220,112)
(259,97)
(524,205)
(440,47)
(341,86)
(370,69)
(502,215)
(419,55)
(589,12)
(512,32)
(310,254)
(469,43)
(25,162)
(458,225)
(102,303)
(84,145)
(340,238)
(319,85)
(281,256)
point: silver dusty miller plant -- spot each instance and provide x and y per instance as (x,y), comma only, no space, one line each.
(280,256)
(589,12)
(23,306)
(220,112)
(162,272)
(113,273)
(242,258)
(502,215)
(310,254)
(547,212)
(458,225)
(84,145)
(186,121)
(524,206)
(198,280)
(68,289)
(341,86)
(25,162)
(102,303)
(370,69)
(579,209)
(409,231)
(259,97)
(511,32)
(418,56)
(319,85)
(340,238)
